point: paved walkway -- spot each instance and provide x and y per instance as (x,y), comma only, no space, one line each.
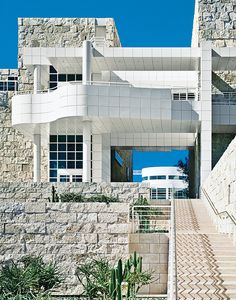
(206,260)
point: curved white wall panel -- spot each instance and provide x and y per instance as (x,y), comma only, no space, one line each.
(92,101)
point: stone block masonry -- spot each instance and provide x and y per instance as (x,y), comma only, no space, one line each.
(68,233)
(27,192)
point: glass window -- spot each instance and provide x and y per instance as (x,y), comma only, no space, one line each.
(53,147)
(79,147)
(160,177)
(71,138)
(52,85)
(71,77)
(64,178)
(78,77)
(53,138)
(53,179)
(70,147)
(53,155)
(53,164)
(61,138)
(76,178)
(79,156)
(172,177)
(61,164)
(145,178)
(53,173)
(79,138)
(52,70)
(79,165)
(61,147)
(70,155)
(62,77)
(62,155)
(53,77)
(70,165)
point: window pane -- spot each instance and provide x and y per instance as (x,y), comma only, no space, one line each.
(70,147)
(62,155)
(53,173)
(61,138)
(53,138)
(53,147)
(53,155)
(79,156)
(52,85)
(61,147)
(79,138)
(70,138)
(71,77)
(79,165)
(78,77)
(52,70)
(79,147)
(62,77)
(53,77)
(71,156)
(53,179)
(61,164)
(71,165)
(53,164)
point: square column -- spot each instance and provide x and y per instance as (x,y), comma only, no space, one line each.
(87,60)
(206,111)
(37,79)
(87,151)
(37,158)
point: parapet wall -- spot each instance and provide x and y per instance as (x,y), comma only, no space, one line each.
(221,183)
(40,192)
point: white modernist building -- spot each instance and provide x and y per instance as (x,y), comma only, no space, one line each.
(165,182)
(127,98)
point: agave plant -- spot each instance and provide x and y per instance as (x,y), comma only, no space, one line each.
(28,278)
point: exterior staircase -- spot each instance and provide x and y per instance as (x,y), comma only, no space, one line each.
(206,259)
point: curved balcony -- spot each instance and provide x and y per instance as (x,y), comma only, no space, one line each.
(102,100)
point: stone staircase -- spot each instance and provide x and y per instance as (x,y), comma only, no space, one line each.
(206,259)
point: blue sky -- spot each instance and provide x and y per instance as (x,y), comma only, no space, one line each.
(149,23)
(153,23)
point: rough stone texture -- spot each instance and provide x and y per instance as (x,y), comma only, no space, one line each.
(16,152)
(66,233)
(24,192)
(153,247)
(221,184)
(215,20)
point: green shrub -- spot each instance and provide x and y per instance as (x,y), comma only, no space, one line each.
(29,278)
(76,197)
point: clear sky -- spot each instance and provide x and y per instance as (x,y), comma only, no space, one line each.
(149,23)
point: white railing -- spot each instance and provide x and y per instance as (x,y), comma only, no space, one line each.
(224,98)
(150,218)
(223,220)
(172,260)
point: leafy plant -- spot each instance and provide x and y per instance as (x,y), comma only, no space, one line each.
(94,276)
(131,276)
(101,281)
(28,278)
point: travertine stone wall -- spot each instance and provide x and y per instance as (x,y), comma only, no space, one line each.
(23,192)
(215,20)
(221,183)
(16,152)
(66,233)
(153,247)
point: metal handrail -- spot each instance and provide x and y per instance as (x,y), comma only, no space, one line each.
(217,213)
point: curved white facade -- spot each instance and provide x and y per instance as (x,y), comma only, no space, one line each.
(165,182)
